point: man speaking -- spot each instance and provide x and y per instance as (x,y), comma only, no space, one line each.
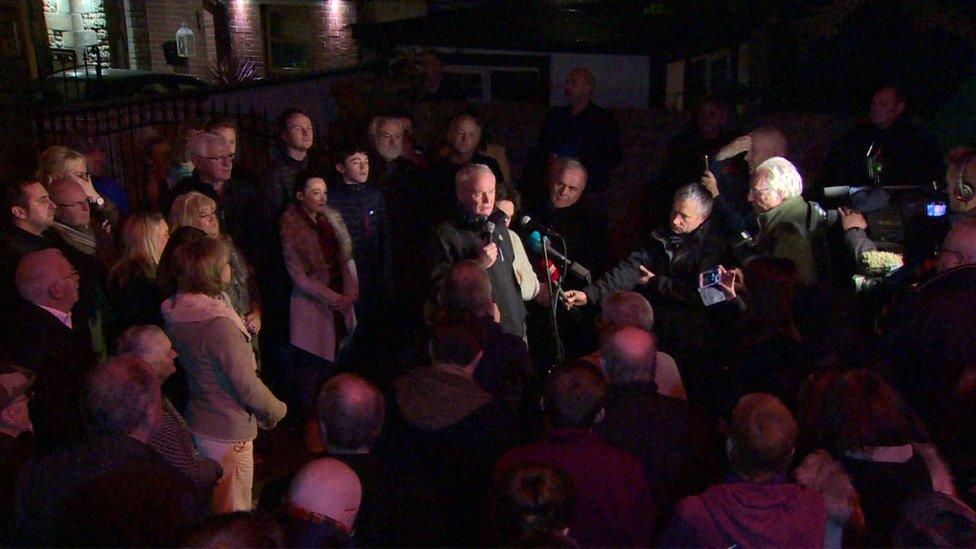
(476,231)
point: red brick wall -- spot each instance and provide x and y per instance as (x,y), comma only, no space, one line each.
(333,45)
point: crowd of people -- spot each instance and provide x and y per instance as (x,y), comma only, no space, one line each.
(779,363)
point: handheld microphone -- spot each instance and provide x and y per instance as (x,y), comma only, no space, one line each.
(530,223)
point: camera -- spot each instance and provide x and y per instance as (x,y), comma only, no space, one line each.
(935,209)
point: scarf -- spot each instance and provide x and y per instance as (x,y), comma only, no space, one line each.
(200,307)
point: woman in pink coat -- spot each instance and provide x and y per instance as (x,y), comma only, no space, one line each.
(318,254)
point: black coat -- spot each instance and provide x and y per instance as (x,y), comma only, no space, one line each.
(676,265)
(463,238)
(110,491)
(363,209)
(60,357)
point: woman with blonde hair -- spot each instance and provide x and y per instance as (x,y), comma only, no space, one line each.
(59,162)
(133,295)
(227,402)
(199,211)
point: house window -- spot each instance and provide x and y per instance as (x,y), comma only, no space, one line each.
(692,79)
(287,38)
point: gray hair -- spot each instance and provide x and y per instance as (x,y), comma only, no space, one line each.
(200,143)
(564,164)
(696,192)
(119,394)
(377,121)
(136,340)
(782,176)
(469,172)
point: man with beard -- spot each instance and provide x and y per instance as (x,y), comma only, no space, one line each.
(408,210)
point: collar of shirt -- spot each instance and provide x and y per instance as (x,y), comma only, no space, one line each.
(63,317)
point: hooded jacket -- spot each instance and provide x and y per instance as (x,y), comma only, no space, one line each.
(226,398)
(739,513)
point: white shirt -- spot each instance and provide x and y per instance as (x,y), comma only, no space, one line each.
(63,317)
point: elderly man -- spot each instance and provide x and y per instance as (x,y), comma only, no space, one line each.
(409,209)
(728,174)
(51,342)
(583,130)
(572,212)
(111,489)
(73,221)
(903,153)
(322,505)
(476,231)
(786,221)
(172,438)
(757,506)
(672,438)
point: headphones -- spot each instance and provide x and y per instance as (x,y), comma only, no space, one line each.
(965,192)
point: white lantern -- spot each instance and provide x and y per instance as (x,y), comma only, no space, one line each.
(185,42)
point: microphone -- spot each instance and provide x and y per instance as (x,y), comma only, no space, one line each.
(536,242)
(530,223)
(548,268)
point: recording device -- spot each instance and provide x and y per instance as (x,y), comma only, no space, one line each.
(707,286)
(706,162)
(536,245)
(709,278)
(935,209)
(529,223)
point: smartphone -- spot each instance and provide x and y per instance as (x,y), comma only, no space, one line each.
(706,162)
(708,278)
(935,209)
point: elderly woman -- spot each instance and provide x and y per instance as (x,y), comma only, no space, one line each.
(196,210)
(133,295)
(318,254)
(227,401)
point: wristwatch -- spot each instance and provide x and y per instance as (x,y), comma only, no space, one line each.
(98,201)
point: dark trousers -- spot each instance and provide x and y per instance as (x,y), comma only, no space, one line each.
(307,376)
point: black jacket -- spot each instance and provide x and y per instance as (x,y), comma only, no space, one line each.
(463,238)
(675,261)
(363,209)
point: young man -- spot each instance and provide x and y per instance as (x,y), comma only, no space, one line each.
(363,208)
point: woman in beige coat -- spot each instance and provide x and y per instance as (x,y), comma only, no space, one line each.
(318,255)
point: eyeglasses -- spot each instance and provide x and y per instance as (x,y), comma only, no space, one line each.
(755,192)
(229,157)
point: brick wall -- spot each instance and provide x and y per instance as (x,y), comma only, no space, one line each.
(164,18)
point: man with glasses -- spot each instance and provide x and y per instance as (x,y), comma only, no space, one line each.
(785,219)
(73,219)
(52,342)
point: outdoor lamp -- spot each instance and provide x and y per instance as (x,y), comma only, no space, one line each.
(185,42)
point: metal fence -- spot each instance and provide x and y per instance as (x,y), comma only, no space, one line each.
(130,132)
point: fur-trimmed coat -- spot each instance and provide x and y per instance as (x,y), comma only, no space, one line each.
(312,321)
(821,472)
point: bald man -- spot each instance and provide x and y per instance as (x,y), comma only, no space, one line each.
(73,217)
(322,503)
(671,438)
(48,340)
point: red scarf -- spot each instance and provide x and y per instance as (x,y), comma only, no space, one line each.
(330,251)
